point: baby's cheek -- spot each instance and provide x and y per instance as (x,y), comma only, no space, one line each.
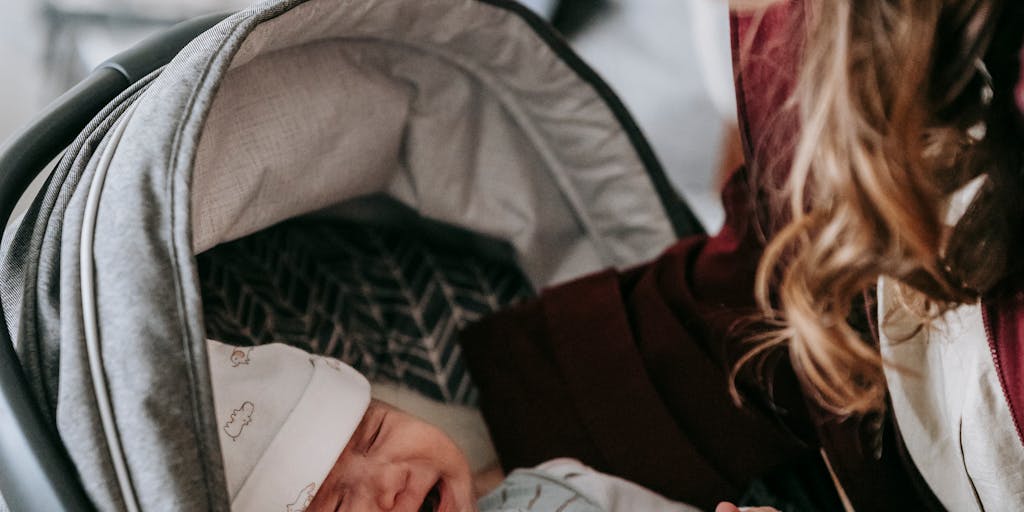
(452,454)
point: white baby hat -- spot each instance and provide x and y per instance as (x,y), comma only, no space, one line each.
(284,417)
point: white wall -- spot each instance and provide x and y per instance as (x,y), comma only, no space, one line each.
(21,48)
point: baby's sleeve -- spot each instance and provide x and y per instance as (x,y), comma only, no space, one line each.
(567,485)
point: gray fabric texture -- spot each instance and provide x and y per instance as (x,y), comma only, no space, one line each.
(149,327)
(27,280)
(485,127)
(453,108)
(78,417)
(32,302)
(169,466)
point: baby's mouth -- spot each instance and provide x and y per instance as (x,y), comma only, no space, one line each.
(432,501)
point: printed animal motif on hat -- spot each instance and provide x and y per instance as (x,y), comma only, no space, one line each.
(239,419)
(304,499)
(240,356)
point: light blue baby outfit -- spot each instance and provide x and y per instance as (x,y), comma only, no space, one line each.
(537,491)
(566,485)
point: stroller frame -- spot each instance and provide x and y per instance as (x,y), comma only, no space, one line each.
(36,472)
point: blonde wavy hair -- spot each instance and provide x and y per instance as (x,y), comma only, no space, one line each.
(886,97)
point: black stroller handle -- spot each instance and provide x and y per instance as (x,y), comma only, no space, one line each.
(36,473)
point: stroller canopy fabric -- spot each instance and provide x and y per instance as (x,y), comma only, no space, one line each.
(468,112)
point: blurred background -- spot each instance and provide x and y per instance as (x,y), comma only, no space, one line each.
(669,61)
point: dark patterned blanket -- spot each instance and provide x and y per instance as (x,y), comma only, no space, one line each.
(386,301)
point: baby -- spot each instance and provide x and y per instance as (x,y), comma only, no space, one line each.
(300,433)
(395,461)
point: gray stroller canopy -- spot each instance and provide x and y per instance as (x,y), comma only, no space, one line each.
(468,112)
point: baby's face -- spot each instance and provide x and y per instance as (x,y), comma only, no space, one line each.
(396,462)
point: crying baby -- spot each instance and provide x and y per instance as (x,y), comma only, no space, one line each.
(299,432)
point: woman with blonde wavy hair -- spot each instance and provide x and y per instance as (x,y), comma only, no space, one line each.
(856,330)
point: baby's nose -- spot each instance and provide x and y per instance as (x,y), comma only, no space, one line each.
(389,482)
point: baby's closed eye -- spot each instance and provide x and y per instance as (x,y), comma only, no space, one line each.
(376,433)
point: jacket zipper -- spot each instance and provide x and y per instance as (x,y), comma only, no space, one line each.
(999,369)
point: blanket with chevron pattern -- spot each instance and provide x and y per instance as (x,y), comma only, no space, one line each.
(386,301)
